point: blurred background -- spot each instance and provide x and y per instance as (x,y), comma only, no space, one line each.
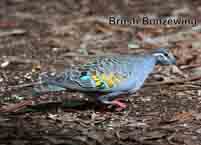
(39,36)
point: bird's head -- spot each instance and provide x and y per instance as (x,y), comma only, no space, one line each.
(163,56)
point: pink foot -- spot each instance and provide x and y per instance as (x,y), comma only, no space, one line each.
(119,104)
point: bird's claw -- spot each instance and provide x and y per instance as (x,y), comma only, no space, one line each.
(119,104)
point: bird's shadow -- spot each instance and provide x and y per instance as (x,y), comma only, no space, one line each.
(89,102)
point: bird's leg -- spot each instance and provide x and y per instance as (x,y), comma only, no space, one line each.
(110,99)
(118,102)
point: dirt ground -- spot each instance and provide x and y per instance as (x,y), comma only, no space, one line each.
(39,36)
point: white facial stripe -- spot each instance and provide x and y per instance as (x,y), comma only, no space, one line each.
(161,55)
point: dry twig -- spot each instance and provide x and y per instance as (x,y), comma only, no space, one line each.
(175,81)
(12,32)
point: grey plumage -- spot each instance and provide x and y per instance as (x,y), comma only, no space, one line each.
(113,75)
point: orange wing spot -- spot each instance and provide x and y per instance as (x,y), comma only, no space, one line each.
(97,80)
(95,77)
(111,79)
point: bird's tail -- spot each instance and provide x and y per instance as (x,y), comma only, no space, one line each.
(46,84)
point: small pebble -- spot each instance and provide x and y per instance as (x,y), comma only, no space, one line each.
(5,64)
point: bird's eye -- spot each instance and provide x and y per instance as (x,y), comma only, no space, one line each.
(166,54)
